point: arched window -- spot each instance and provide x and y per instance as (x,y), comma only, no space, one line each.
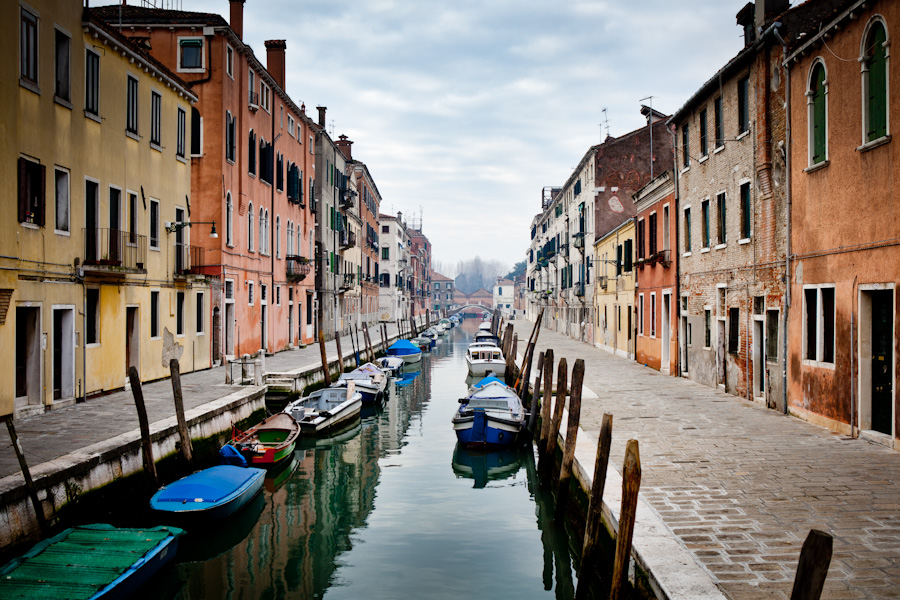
(229,220)
(277,237)
(289,248)
(875,82)
(262,230)
(250,227)
(817,106)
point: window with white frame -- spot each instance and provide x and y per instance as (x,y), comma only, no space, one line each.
(817,111)
(875,61)
(264,96)
(229,221)
(229,61)
(155,119)
(28,49)
(250,228)
(818,323)
(62,200)
(131,115)
(653,314)
(277,237)
(91,82)
(190,55)
(250,293)
(154,224)
(640,314)
(291,125)
(181,133)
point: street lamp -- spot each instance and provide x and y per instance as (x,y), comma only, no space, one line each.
(178,226)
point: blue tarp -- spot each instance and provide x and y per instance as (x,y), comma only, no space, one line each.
(210,485)
(402,348)
(486,381)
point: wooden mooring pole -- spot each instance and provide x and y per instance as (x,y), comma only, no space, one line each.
(369,345)
(815,557)
(187,449)
(631,485)
(548,460)
(324,359)
(527,359)
(146,444)
(547,384)
(26,473)
(592,529)
(511,359)
(565,468)
(337,343)
(535,399)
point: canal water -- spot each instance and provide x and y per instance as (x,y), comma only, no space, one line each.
(390,508)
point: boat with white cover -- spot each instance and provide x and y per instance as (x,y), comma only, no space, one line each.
(370,381)
(491,415)
(326,409)
(482,357)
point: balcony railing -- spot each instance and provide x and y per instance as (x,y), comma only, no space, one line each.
(188,259)
(579,289)
(348,239)
(114,250)
(253,100)
(348,281)
(297,268)
(578,241)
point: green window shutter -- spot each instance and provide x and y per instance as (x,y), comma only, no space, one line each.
(819,107)
(628,254)
(877,92)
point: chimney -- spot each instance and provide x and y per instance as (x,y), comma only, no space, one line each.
(321,110)
(343,145)
(275,60)
(237,17)
(766,10)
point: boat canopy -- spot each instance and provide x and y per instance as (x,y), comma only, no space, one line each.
(209,485)
(487,380)
(495,395)
(403,348)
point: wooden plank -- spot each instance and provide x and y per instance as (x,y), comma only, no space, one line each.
(593,527)
(146,444)
(324,359)
(815,558)
(26,474)
(187,450)
(565,468)
(631,485)
(548,395)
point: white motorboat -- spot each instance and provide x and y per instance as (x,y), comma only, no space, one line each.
(482,357)
(326,409)
(484,326)
(491,415)
(390,365)
(370,381)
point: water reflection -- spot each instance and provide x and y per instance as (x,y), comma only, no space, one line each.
(374,512)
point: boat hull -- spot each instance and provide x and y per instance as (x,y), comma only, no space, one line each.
(479,368)
(269,442)
(318,415)
(236,487)
(483,429)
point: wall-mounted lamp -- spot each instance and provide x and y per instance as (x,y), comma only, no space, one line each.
(178,226)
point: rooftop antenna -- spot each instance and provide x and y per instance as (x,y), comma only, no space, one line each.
(650,125)
(332,129)
(605,123)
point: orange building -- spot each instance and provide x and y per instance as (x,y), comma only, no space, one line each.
(252,166)
(845,222)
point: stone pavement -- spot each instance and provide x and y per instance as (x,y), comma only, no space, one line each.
(740,486)
(56,433)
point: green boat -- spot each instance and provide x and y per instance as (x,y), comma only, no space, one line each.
(90,561)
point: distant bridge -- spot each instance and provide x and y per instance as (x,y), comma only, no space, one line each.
(469,305)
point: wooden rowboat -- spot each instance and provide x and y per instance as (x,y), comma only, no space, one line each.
(268,443)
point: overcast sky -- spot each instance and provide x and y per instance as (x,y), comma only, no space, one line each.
(464,110)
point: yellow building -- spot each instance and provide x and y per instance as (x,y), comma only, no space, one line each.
(614,292)
(97,141)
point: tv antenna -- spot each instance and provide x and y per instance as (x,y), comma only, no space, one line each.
(605,124)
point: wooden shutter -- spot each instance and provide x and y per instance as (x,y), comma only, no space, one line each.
(41,204)
(23,190)
(877,92)
(819,126)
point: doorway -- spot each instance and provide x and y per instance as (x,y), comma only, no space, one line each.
(216,335)
(759,359)
(28,356)
(229,328)
(876,359)
(63,353)
(665,332)
(132,340)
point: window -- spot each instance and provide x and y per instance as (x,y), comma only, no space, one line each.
(132,218)
(62,200)
(665,227)
(640,314)
(704,225)
(179,147)
(155,119)
(772,335)
(251,153)
(229,61)
(278,295)
(703,147)
(653,315)
(291,125)
(179,313)
(131,117)
(200,312)
(250,293)
(251,88)
(746,210)
(196,132)
(229,137)
(734,328)
(31,192)
(263,238)
(818,323)
(229,220)
(264,96)
(279,172)
(708,323)
(92,316)
(875,99)
(385,229)
(817,109)
(250,228)
(278,237)
(652,234)
(720,126)
(385,253)
(63,66)
(154,314)
(640,239)
(28,49)
(721,235)
(154,224)
(91,82)
(685,147)
(191,54)
(687,229)
(743,93)
(628,255)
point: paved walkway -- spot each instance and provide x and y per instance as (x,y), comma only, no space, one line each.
(56,433)
(740,486)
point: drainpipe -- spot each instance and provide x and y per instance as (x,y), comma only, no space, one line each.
(787,254)
(675,250)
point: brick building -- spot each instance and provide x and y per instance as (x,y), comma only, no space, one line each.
(730,137)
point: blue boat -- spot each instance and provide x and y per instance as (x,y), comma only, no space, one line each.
(90,561)
(214,493)
(405,350)
(490,416)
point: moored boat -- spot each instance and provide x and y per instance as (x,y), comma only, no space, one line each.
(484,357)
(491,415)
(214,493)
(370,381)
(326,409)
(390,364)
(405,350)
(269,442)
(90,561)
(423,343)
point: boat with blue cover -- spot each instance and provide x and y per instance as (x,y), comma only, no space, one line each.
(90,561)
(214,493)
(492,415)
(405,350)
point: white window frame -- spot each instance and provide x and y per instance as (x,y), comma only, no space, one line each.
(179,68)
(68,230)
(810,116)
(229,61)
(250,228)
(291,126)
(250,298)
(820,327)
(864,81)
(229,220)
(264,96)
(181,134)
(653,312)
(155,119)
(641,315)
(150,225)
(199,309)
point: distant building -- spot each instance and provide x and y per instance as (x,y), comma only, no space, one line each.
(442,292)
(614,293)
(504,292)
(394,269)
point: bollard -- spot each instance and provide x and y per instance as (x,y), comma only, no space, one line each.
(815,557)
(631,485)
